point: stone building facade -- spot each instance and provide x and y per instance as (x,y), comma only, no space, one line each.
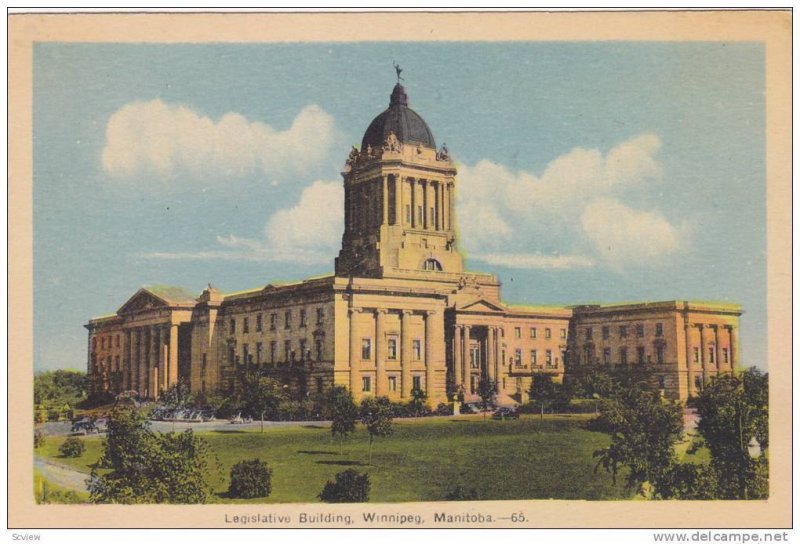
(399,313)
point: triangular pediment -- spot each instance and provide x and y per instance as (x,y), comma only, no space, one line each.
(482,305)
(142,301)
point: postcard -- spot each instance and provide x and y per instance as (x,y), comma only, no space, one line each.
(410,270)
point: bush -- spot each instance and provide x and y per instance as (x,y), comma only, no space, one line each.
(350,486)
(444,409)
(38,438)
(250,479)
(459,493)
(72,447)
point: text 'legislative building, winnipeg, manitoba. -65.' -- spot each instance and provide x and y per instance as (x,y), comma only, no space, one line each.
(400,313)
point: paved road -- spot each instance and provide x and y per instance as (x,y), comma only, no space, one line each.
(64,427)
(61,475)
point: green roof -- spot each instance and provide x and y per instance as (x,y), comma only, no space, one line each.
(171,293)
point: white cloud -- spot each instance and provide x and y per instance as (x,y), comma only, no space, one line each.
(307,233)
(155,139)
(622,235)
(552,220)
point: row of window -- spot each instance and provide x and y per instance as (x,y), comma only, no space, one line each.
(712,355)
(366,383)
(273,321)
(641,355)
(391,349)
(103,339)
(623,331)
(289,354)
(534,333)
(535,360)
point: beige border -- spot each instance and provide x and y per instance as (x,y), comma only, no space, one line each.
(772,28)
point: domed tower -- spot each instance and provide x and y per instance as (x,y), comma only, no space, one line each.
(399,199)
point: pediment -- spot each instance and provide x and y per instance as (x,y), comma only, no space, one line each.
(142,301)
(482,305)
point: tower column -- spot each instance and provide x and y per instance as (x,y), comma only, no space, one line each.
(405,354)
(398,200)
(450,198)
(385,199)
(380,351)
(457,357)
(413,186)
(355,363)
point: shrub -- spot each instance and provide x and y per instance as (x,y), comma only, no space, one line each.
(459,493)
(444,409)
(38,438)
(250,479)
(350,486)
(72,447)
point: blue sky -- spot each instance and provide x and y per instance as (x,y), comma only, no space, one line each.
(588,172)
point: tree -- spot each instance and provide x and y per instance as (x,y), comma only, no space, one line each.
(343,413)
(250,479)
(176,397)
(487,390)
(72,447)
(147,467)
(589,381)
(546,393)
(350,486)
(376,415)
(734,411)
(418,405)
(644,431)
(259,396)
(39,438)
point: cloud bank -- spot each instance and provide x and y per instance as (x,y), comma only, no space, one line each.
(167,141)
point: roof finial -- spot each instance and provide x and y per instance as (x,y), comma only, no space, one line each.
(398,70)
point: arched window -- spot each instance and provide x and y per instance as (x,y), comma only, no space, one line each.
(432,264)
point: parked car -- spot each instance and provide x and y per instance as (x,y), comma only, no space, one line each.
(84,426)
(505,413)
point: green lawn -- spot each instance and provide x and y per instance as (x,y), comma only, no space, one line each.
(422,461)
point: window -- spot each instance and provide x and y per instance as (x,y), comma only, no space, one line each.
(548,357)
(259,325)
(432,264)
(245,353)
(233,326)
(660,355)
(408,213)
(640,355)
(287,350)
(606,332)
(319,346)
(287,319)
(116,362)
(116,340)
(623,331)
(205,364)
(517,332)
(588,354)
(245,325)
(273,352)
(420,213)
(304,350)
(424,243)
(391,347)
(416,348)
(547,333)
(302,317)
(319,384)
(725,356)
(259,352)
(365,384)
(640,330)
(607,356)
(103,342)
(518,357)
(533,332)
(712,354)
(659,329)
(698,383)
(623,356)
(273,319)
(502,332)
(366,349)
(588,333)
(320,316)
(563,334)
(696,354)
(662,382)
(416,383)
(392,383)
(231,354)
(533,357)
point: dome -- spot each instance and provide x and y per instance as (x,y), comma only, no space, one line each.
(406,124)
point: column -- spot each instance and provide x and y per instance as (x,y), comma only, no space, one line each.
(689,363)
(158,364)
(467,361)
(732,347)
(164,377)
(716,349)
(355,358)
(385,191)
(380,351)
(134,370)
(127,362)
(440,215)
(405,354)
(431,353)
(142,348)
(398,200)
(172,366)
(450,198)
(457,357)
(413,186)
(490,355)
(703,354)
